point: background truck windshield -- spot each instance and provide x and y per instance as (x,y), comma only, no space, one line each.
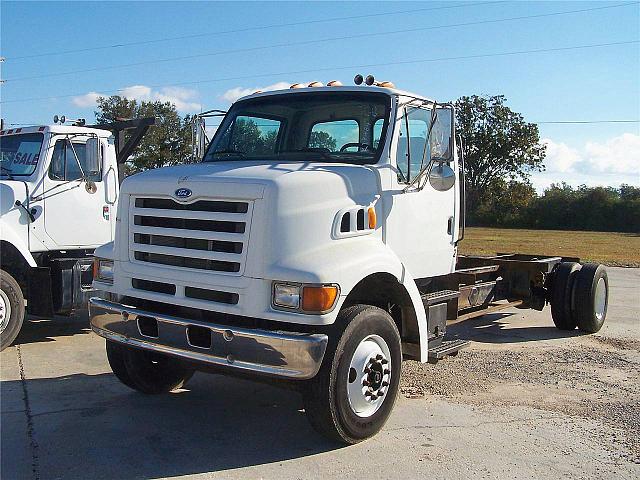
(20,153)
(341,127)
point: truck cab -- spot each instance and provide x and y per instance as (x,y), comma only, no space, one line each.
(59,190)
(315,243)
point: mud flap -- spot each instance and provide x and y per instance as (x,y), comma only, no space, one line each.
(39,298)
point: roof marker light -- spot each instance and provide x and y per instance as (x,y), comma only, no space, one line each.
(334,83)
(297,85)
(385,84)
(316,84)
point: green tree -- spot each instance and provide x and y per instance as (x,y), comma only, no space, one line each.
(498,144)
(322,140)
(166,143)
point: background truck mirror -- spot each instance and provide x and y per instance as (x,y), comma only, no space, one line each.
(93,156)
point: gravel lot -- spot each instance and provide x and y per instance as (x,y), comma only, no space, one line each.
(524,401)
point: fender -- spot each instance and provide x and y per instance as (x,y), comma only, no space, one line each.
(344,260)
(9,235)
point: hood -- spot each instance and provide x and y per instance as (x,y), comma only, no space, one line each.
(10,191)
(247,180)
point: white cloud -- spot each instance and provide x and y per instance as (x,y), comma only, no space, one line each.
(234,94)
(86,101)
(609,163)
(619,154)
(182,98)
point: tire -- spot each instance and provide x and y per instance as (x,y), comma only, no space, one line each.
(11,309)
(335,400)
(147,372)
(561,295)
(591,297)
(115,356)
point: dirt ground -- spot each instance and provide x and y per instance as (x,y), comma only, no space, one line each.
(593,378)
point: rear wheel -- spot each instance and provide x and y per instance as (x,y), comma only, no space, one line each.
(591,297)
(353,394)
(11,309)
(561,295)
(147,372)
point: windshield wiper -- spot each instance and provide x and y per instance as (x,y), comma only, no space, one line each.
(323,154)
(8,171)
(229,152)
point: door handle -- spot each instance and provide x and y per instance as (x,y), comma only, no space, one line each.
(450,226)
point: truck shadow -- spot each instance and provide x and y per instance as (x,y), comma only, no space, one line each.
(503,327)
(36,329)
(91,426)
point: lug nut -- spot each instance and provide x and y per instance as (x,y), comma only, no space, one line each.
(386,371)
(380,394)
(368,394)
(365,383)
(367,370)
(384,361)
(385,384)
(379,357)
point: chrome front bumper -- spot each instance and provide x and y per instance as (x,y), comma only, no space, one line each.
(283,354)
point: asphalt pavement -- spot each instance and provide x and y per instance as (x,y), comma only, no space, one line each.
(65,415)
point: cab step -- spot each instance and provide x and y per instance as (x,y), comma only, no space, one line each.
(439,297)
(447,348)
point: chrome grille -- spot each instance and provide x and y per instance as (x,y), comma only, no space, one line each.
(203,235)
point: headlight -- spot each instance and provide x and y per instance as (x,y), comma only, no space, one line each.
(286,295)
(103,270)
(305,298)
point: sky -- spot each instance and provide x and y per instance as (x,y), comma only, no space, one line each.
(442,50)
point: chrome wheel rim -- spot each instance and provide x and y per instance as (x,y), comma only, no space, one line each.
(5,311)
(369,376)
(600,303)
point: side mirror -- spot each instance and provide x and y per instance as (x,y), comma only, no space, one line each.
(441,135)
(442,177)
(93,157)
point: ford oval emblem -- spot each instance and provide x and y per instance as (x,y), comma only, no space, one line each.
(183,193)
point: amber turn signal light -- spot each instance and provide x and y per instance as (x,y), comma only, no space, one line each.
(319,299)
(372,218)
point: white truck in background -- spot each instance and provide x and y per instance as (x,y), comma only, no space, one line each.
(59,187)
(316,244)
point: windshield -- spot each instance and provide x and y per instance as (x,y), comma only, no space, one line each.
(342,127)
(20,153)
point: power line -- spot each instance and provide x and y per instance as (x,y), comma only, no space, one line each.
(249,29)
(344,67)
(582,122)
(559,122)
(310,42)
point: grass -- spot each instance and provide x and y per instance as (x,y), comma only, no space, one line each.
(610,248)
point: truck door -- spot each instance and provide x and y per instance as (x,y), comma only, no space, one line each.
(421,218)
(74,214)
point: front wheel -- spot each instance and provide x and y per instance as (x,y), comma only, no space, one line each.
(146,372)
(11,309)
(353,394)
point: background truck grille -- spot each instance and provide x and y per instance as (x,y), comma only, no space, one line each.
(203,235)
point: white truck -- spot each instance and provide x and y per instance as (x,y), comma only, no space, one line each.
(58,195)
(315,244)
